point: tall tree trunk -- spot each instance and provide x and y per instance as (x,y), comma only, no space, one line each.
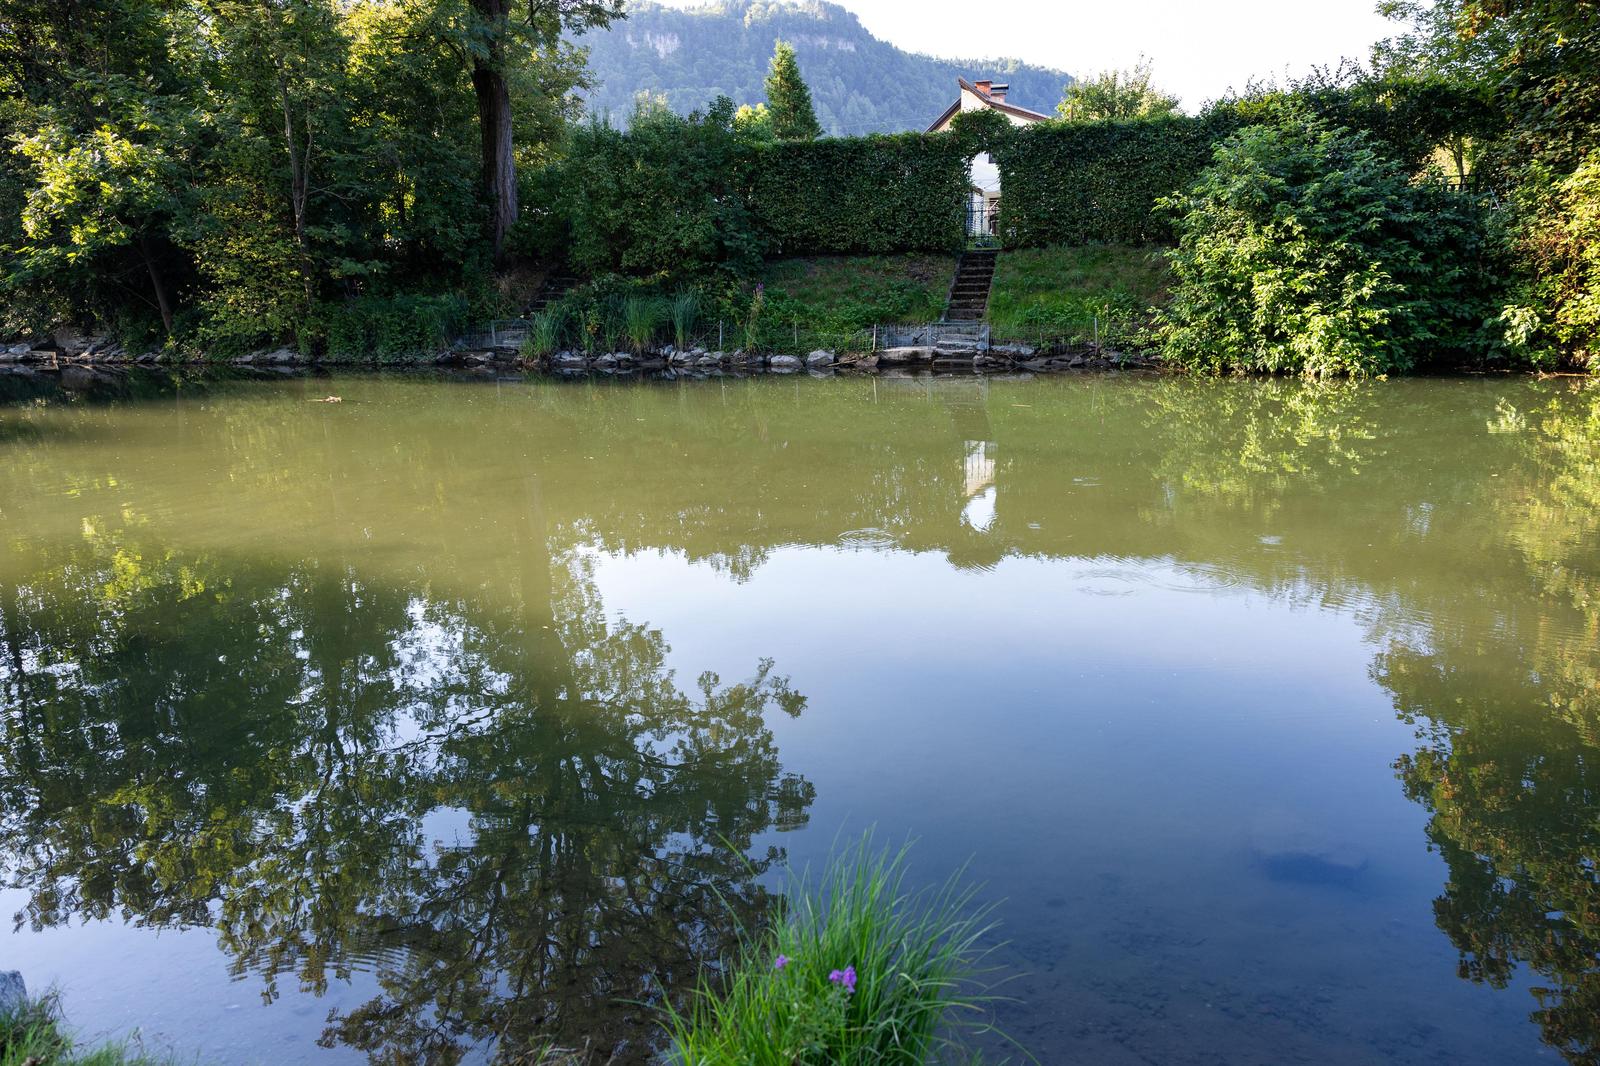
(499,179)
(155,283)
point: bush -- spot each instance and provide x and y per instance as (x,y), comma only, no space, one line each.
(844,195)
(1098,182)
(856,970)
(387,329)
(661,198)
(1303,249)
(1554,311)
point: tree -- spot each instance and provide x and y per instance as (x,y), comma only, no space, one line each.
(788,99)
(1119,95)
(493,39)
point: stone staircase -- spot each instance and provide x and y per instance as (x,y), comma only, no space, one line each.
(554,288)
(969,293)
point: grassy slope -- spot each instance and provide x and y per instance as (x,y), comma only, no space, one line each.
(1040,291)
(847,293)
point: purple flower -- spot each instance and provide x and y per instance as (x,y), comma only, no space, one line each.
(780,962)
(846,977)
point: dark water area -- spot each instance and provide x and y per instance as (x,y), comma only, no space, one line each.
(462,718)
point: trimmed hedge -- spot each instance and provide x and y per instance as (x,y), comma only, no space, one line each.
(1098,182)
(848,195)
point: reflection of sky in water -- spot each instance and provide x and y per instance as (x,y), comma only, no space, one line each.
(1173,826)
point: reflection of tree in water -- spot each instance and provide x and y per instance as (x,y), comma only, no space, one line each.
(1509,768)
(272,752)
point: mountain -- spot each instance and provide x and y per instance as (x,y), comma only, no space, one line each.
(859,84)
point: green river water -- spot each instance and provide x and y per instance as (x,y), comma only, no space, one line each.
(465,716)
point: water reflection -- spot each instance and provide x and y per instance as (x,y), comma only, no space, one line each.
(258,664)
(507,807)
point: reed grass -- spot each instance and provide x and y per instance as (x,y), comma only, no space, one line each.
(642,318)
(856,970)
(544,333)
(34,1036)
(684,310)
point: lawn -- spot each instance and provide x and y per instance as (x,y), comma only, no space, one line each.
(844,294)
(1059,291)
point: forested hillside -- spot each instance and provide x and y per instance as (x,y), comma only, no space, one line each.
(859,83)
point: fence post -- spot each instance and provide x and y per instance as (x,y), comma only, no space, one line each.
(874,339)
(1097,332)
(719,335)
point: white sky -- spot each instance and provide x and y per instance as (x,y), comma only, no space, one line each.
(1199,48)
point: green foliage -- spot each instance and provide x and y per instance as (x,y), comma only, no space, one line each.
(684,310)
(1554,309)
(659,199)
(850,195)
(981,130)
(1086,183)
(1529,66)
(545,331)
(385,329)
(225,170)
(789,109)
(1115,95)
(857,968)
(1303,249)
(642,316)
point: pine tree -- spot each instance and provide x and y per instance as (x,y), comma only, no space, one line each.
(788,99)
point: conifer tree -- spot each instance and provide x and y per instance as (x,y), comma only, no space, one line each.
(788,99)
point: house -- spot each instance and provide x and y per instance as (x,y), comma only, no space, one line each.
(984,202)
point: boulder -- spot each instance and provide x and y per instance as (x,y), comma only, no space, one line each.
(277,357)
(820,357)
(13,993)
(785,363)
(708,359)
(1018,351)
(608,361)
(570,360)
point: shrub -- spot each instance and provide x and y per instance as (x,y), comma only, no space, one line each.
(1303,249)
(658,199)
(844,195)
(1554,313)
(386,329)
(1098,182)
(858,969)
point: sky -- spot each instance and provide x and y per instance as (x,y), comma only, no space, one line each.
(1198,48)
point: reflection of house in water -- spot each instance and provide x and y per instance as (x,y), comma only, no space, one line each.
(978,485)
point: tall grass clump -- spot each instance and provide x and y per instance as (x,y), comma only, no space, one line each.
(642,317)
(685,309)
(857,969)
(544,333)
(33,1036)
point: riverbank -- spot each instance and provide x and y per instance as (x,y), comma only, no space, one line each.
(84,364)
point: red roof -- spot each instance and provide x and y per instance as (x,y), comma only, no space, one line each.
(990,101)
